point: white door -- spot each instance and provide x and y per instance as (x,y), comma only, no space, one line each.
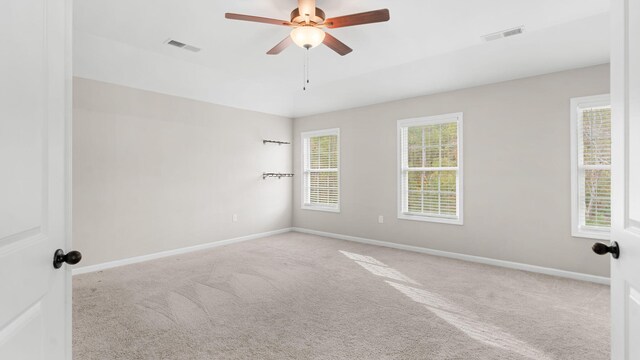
(35,320)
(625,96)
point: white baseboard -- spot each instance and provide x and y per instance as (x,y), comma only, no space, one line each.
(477,259)
(158,255)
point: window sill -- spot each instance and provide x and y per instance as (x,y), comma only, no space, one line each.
(320,208)
(591,234)
(433,219)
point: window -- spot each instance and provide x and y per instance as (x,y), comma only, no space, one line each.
(591,166)
(430,169)
(321,164)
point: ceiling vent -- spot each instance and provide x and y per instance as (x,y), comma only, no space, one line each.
(504,33)
(182,45)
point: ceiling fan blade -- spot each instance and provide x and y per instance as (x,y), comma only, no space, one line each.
(281,46)
(336,45)
(358,19)
(256,19)
(307,7)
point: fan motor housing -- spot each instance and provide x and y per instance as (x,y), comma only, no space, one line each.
(296,18)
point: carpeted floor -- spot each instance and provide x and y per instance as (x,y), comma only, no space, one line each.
(296,296)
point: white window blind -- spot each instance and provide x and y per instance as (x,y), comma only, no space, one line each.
(321,157)
(430,168)
(591,149)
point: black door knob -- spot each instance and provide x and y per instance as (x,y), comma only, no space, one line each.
(602,249)
(71,258)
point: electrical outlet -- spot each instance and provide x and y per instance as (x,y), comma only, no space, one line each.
(380,219)
(235,217)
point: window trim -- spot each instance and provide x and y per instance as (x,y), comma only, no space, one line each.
(578,230)
(431,120)
(303,137)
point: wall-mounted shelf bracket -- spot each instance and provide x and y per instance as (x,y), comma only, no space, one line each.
(276,175)
(275,142)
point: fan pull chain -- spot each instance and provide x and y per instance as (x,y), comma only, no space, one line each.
(305,80)
(308,66)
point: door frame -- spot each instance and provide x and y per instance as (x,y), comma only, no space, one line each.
(68,167)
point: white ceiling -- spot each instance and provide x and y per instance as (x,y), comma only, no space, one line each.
(428,46)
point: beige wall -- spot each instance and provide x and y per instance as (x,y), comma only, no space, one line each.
(516,172)
(153,172)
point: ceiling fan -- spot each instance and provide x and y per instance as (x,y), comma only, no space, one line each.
(308,23)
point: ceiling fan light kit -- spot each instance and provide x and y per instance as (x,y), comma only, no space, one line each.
(308,23)
(307,36)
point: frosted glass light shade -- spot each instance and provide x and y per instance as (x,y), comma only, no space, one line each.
(307,36)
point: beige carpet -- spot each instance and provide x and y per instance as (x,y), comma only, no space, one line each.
(296,296)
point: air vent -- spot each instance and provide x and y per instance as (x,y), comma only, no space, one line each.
(182,45)
(191,48)
(176,43)
(504,33)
